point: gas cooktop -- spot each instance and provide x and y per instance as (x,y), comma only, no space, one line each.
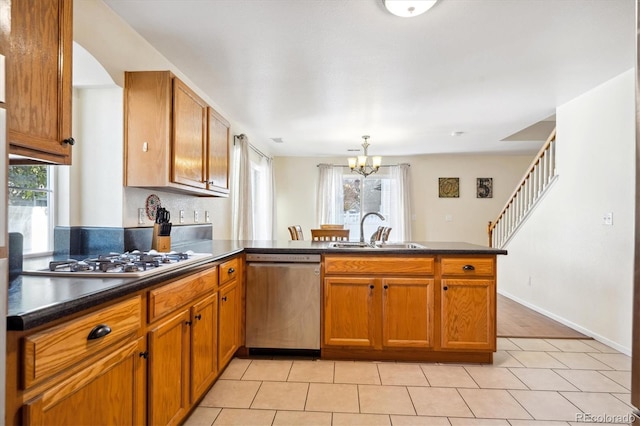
(121,265)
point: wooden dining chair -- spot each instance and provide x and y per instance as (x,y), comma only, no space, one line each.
(331,226)
(329,235)
(296,232)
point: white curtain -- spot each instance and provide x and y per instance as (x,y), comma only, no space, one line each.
(330,199)
(264,206)
(242,209)
(400,204)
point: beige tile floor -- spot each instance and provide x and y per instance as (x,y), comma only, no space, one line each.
(532,382)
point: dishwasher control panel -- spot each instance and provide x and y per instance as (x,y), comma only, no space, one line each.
(283,257)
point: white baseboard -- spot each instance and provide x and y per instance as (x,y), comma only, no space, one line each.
(564,321)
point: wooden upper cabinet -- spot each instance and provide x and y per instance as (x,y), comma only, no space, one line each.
(218,153)
(189,137)
(173,140)
(39,81)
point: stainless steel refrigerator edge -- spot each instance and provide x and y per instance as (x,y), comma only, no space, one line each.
(283,301)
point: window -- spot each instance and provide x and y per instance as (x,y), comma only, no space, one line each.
(261,199)
(30,206)
(344,198)
(363,196)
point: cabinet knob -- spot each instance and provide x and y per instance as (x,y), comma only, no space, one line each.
(198,317)
(386,287)
(69,141)
(99,331)
(187,322)
(468,268)
(445,288)
(144,354)
(231,270)
(224,299)
(371,286)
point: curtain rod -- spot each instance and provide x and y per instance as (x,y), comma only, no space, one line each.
(344,165)
(256,150)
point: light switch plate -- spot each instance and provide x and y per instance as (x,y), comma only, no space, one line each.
(207,217)
(196,216)
(141,215)
(181,216)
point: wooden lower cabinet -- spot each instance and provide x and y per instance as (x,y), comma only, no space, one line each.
(153,367)
(204,351)
(378,312)
(407,312)
(182,361)
(169,357)
(468,314)
(349,311)
(109,391)
(409,307)
(229,322)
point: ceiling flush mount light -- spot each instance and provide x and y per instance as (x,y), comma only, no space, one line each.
(408,8)
(361,163)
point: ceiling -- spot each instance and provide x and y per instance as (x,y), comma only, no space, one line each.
(319,74)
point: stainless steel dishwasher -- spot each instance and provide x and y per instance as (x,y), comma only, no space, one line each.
(283,301)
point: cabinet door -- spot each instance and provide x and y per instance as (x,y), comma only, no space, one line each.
(218,153)
(468,314)
(39,80)
(204,338)
(108,392)
(349,311)
(407,312)
(228,323)
(168,370)
(189,127)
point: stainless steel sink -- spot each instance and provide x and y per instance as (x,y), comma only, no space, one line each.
(346,244)
(397,246)
(400,246)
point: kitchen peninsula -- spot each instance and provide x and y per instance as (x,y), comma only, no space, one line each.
(72,340)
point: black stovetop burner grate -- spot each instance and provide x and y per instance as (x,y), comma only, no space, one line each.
(118,262)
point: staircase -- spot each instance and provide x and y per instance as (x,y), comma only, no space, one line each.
(538,178)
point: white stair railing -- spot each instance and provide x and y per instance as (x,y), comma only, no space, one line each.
(540,174)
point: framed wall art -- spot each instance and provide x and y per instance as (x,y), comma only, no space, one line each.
(448,187)
(484,187)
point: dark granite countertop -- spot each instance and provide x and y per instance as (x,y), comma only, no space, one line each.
(37,300)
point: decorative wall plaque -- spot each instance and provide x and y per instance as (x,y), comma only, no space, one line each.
(448,187)
(484,187)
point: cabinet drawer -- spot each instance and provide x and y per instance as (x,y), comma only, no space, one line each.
(467,266)
(171,296)
(378,264)
(229,270)
(51,350)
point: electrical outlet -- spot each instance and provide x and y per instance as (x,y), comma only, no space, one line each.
(607,219)
(207,217)
(181,216)
(141,216)
(448,218)
(196,217)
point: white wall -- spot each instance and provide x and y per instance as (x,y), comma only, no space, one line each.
(95,178)
(564,262)
(297,181)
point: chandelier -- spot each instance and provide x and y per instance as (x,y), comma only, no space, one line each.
(361,164)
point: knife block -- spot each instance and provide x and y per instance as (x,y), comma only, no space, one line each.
(158,242)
